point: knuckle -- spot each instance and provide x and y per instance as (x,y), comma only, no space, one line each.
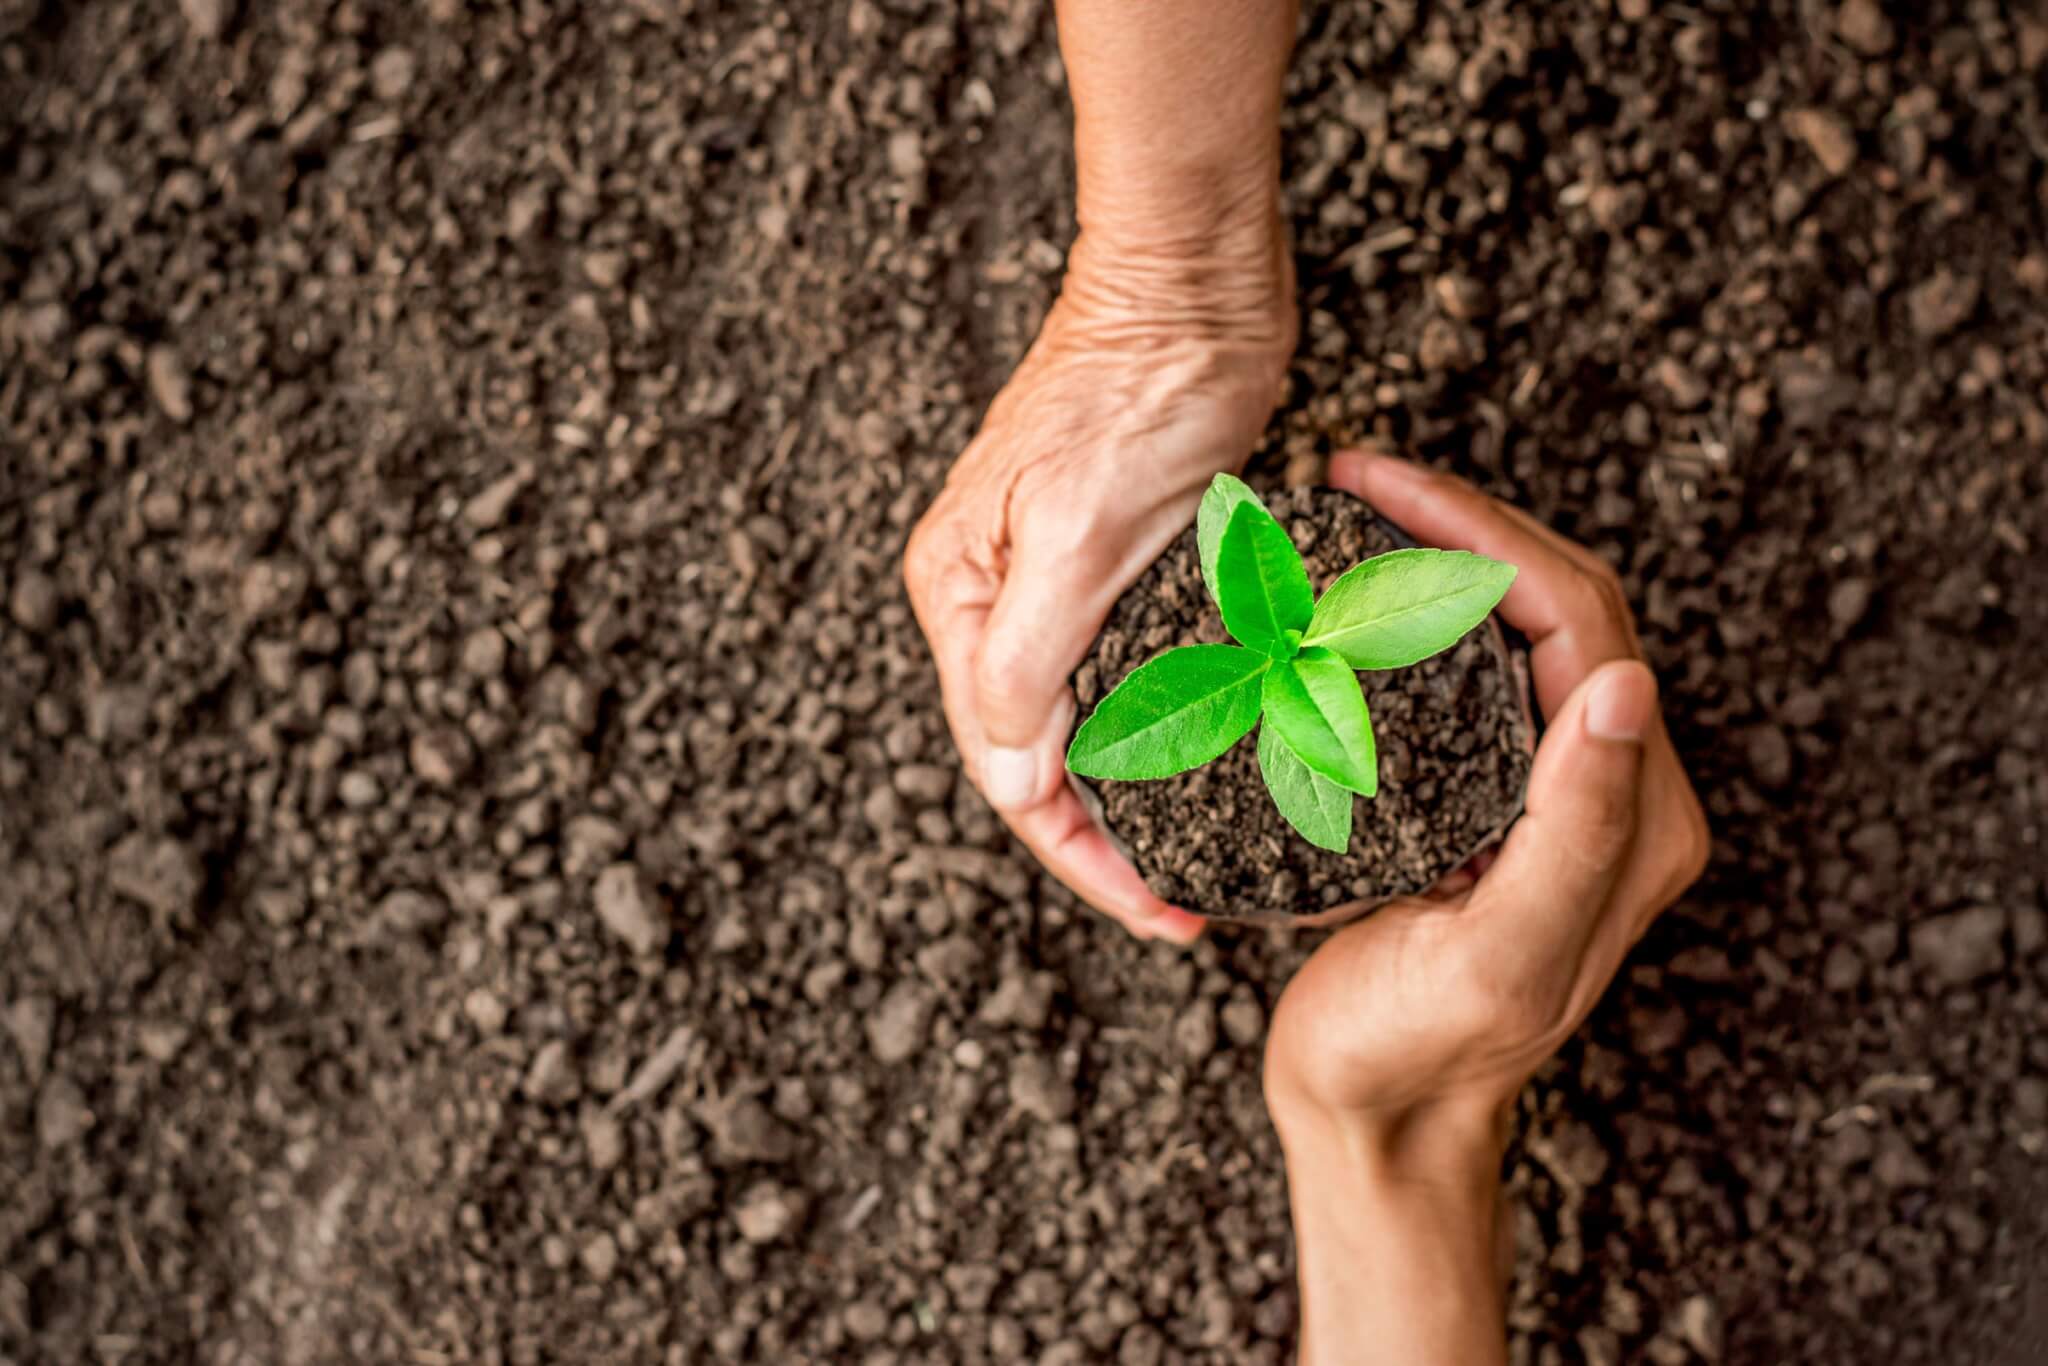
(1582,593)
(918,557)
(1693,848)
(1004,677)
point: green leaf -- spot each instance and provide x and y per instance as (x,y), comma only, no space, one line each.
(1171,714)
(1262,589)
(1225,493)
(1314,701)
(1316,807)
(1400,608)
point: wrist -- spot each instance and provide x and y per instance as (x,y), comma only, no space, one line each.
(1231,285)
(1400,1236)
(1447,1150)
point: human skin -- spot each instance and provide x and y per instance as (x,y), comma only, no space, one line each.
(1156,368)
(1396,1053)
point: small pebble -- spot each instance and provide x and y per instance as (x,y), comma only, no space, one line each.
(767,1213)
(897,1028)
(631,909)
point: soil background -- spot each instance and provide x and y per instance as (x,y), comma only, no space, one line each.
(482,873)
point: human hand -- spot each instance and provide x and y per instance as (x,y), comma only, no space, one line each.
(1155,369)
(1396,1051)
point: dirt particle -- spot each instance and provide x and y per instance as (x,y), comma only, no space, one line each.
(441,755)
(1942,302)
(486,1010)
(1462,296)
(1699,1324)
(1038,1090)
(158,872)
(487,509)
(929,783)
(32,1021)
(604,1140)
(483,653)
(1617,208)
(898,1027)
(1194,1033)
(1244,1020)
(271,587)
(1863,26)
(590,842)
(408,911)
(768,1213)
(1020,1001)
(631,909)
(605,269)
(169,384)
(392,72)
(2029,931)
(206,18)
(33,602)
(906,155)
(745,1131)
(866,1321)
(552,1078)
(62,1116)
(1770,755)
(161,1041)
(600,1257)
(1848,602)
(1842,970)
(1682,383)
(1898,1167)
(1826,136)
(1448,345)
(1958,948)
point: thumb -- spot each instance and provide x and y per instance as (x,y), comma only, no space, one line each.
(1565,854)
(1043,621)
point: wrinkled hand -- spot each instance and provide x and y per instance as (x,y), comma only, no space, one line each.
(1449,1003)
(1154,371)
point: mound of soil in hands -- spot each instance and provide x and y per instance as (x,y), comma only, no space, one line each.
(1453,733)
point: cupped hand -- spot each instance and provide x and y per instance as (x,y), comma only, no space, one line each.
(1154,370)
(1445,1005)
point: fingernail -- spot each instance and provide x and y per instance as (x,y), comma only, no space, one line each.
(1009,777)
(1177,926)
(1621,705)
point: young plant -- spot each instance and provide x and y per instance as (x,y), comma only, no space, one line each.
(1295,663)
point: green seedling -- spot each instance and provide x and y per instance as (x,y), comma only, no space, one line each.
(1295,663)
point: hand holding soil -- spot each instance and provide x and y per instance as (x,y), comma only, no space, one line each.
(1151,374)
(1156,369)
(1396,1051)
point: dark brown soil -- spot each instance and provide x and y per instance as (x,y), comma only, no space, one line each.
(482,873)
(1453,733)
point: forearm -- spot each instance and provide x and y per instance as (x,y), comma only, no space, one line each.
(1177,116)
(1398,1238)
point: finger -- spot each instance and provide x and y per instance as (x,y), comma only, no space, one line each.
(951,599)
(1671,847)
(1053,600)
(1060,832)
(950,594)
(1561,862)
(1564,599)
(1569,640)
